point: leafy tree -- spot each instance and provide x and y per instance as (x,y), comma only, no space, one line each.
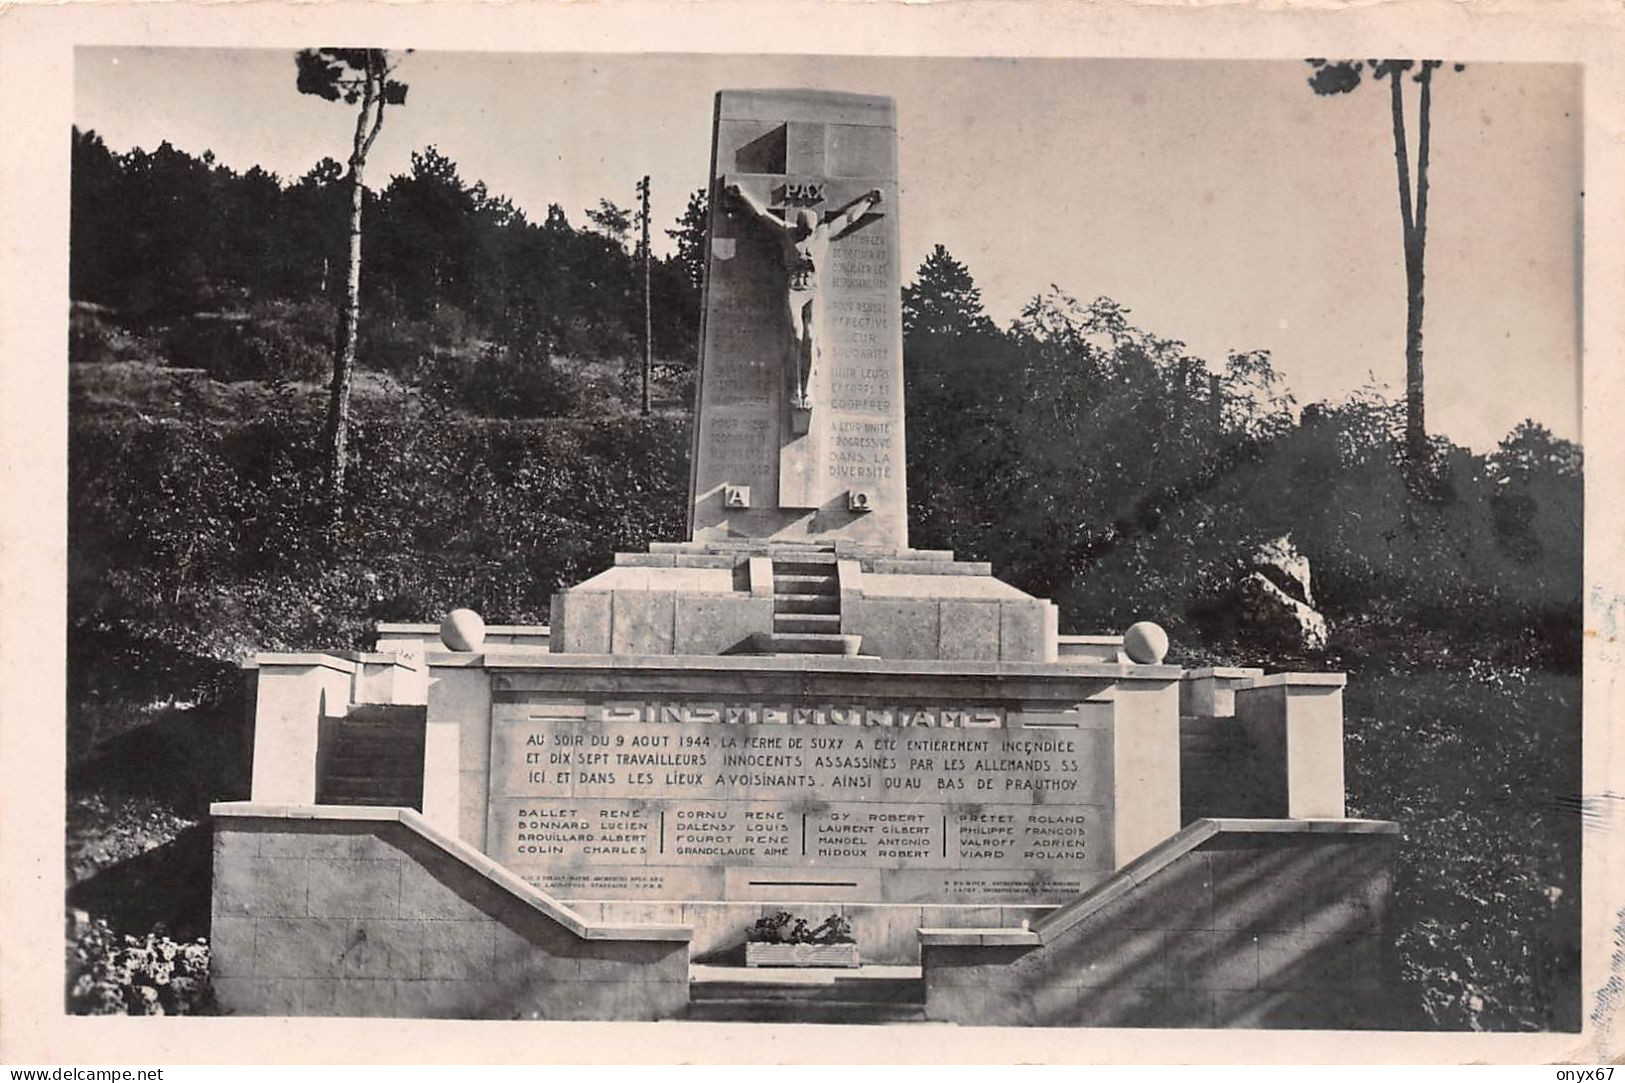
(172,228)
(1536,504)
(1341,77)
(358,77)
(690,237)
(612,221)
(944,299)
(315,208)
(97,222)
(427,243)
(1530,451)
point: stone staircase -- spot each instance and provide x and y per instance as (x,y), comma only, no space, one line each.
(1215,769)
(373,756)
(806,609)
(871,994)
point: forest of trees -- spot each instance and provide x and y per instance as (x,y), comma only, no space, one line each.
(241,273)
(1093,462)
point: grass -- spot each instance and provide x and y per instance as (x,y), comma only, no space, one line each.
(147,390)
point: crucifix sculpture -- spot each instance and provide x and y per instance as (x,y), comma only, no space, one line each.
(804,237)
(798,431)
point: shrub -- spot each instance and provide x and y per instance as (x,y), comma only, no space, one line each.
(113,974)
(95,336)
(1476,764)
(676,383)
(271,340)
(596,341)
(90,338)
(506,384)
(196,542)
(391,341)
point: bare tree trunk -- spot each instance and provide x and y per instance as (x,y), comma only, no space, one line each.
(338,402)
(1182,390)
(648,322)
(369,119)
(1416,435)
(1414,226)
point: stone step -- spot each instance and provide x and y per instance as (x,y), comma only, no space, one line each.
(806,603)
(676,560)
(403,743)
(805,584)
(347,765)
(1212,742)
(804,643)
(757,546)
(886,566)
(870,994)
(374,739)
(1207,740)
(848,990)
(835,1012)
(403,715)
(383,748)
(793,623)
(378,731)
(365,785)
(804,567)
(400,799)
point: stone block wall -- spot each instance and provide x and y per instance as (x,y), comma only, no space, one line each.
(1229,924)
(366,915)
(652,622)
(953,628)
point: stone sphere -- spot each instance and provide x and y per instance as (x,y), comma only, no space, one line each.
(1145,643)
(462,630)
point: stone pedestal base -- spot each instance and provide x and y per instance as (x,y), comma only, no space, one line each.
(725,598)
(836,955)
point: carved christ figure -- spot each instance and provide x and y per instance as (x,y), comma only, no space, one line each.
(804,239)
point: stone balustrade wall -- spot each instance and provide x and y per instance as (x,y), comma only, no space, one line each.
(1232,923)
(370,912)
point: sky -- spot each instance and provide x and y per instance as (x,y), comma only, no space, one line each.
(1222,202)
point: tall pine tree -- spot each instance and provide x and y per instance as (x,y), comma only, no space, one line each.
(358,77)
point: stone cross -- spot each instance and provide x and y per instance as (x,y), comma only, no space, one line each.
(799,433)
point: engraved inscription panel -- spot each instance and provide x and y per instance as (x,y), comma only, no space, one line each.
(640,800)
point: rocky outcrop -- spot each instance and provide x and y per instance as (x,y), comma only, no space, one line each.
(1275,601)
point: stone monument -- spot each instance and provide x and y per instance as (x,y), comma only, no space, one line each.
(793,710)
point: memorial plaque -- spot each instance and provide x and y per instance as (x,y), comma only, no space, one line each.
(971,802)
(801,363)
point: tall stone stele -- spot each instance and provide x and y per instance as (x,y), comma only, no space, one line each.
(798,501)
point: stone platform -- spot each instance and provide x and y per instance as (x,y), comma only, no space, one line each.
(720,598)
(871,995)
